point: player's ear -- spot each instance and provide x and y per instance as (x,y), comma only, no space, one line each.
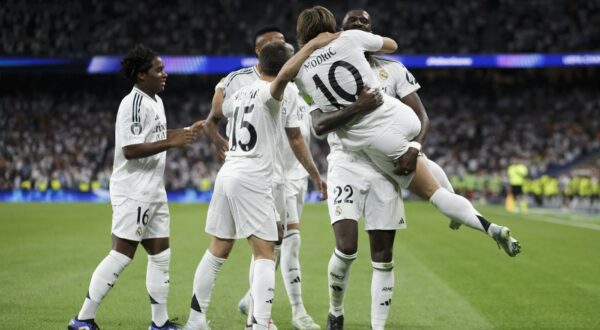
(141,76)
(259,67)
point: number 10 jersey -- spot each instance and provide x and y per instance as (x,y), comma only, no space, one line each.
(335,74)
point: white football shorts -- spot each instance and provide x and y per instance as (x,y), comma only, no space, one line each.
(136,221)
(295,191)
(239,209)
(357,188)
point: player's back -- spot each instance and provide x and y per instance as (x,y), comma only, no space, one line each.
(235,80)
(334,76)
(254,117)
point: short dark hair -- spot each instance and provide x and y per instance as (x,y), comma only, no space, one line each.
(138,59)
(263,30)
(272,57)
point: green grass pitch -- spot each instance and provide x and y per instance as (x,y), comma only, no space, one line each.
(444,279)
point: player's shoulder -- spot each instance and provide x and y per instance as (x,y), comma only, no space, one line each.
(386,61)
(354,34)
(241,73)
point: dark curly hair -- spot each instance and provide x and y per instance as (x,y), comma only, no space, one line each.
(138,59)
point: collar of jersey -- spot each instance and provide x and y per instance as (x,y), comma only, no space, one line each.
(144,94)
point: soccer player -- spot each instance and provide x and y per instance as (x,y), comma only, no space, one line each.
(333,76)
(396,81)
(243,205)
(137,192)
(290,131)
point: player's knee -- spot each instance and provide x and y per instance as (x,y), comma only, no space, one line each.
(347,248)
(383,266)
(383,256)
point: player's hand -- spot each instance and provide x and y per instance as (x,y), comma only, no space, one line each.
(323,39)
(181,137)
(222,146)
(198,126)
(320,184)
(368,100)
(407,163)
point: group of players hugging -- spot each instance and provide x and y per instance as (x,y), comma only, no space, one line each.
(365,105)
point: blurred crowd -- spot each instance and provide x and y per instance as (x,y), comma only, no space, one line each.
(79,28)
(58,133)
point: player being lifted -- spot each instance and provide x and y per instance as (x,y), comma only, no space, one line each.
(137,192)
(291,131)
(358,189)
(333,76)
(243,205)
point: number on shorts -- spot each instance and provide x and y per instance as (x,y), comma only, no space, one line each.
(142,218)
(342,93)
(338,194)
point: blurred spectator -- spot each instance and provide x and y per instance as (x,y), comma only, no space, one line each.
(74,28)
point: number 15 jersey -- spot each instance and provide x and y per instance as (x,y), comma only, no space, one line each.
(335,74)
(253,135)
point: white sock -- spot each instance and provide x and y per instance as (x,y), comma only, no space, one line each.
(290,270)
(439,174)
(157,283)
(249,293)
(382,288)
(103,279)
(204,282)
(460,210)
(263,289)
(339,273)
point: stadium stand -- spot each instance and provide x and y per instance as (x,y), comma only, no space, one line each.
(75,28)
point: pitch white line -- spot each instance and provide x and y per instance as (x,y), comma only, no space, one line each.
(553,219)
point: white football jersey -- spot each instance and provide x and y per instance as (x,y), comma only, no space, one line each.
(293,169)
(289,119)
(254,133)
(238,79)
(394,77)
(334,76)
(140,119)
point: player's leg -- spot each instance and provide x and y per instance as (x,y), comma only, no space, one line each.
(204,281)
(295,190)
(338,269)
(458,208)
(126,233)
(439,174)
(156,243)
(382,283)
(263,281)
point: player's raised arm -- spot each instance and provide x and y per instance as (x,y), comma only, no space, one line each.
(325,122)
(293,65)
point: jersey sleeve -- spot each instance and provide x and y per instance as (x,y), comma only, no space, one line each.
(225,85)
(368,41)
(289,108)
(268,99)
(405,81)
(134,122)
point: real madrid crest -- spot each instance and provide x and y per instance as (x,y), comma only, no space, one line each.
(136,128)
(338,210)
(383,74)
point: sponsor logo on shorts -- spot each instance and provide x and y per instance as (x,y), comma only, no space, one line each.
(401,222)
(139,231)
(338,210)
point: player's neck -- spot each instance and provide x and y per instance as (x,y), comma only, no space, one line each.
(266,78)
(146,90)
